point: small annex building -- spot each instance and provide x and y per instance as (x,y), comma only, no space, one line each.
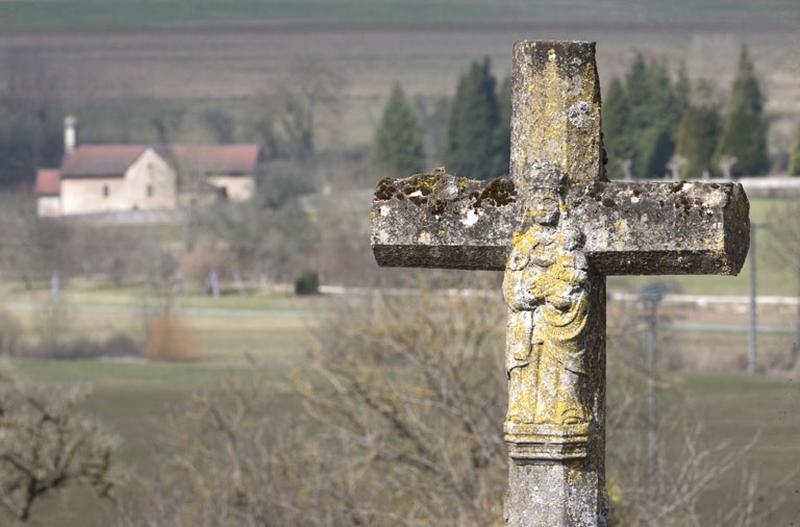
(116,178)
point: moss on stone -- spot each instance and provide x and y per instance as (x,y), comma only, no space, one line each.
(498,192)
(385,189)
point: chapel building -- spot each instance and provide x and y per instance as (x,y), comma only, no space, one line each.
(116,178)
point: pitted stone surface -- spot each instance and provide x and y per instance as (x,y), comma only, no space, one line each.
(439,220)
(657,228)
(458,223)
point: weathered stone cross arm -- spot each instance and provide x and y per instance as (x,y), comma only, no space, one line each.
(439,220)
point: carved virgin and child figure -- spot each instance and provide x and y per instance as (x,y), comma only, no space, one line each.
(546,289)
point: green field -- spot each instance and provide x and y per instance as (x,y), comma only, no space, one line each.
(135,399)
(121,13)
(734,409)
(117,64)
(264,326)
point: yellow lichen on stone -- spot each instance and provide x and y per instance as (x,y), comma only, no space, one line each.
(558,120)
(545,289)
(544,125)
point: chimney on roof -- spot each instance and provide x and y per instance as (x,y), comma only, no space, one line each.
(70,134)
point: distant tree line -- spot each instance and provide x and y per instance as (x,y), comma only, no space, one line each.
(641,115)
(476,129)
(32,111)
(31,118)
(648,117)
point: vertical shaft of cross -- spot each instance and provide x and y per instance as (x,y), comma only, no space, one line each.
(555,341)
(570,492)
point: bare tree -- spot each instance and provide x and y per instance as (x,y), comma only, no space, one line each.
(167,123)
(392,418)
(221,124)
(33,248)
(688,463)
(46,446)
(289,120)
(270,234)
(158,296)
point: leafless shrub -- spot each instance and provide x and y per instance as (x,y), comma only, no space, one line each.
(309,87)
(46,446)
(416,383)
(248,461)
(169,340)
(688,465)
(394,418)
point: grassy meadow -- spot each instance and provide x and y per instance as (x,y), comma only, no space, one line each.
(136,400)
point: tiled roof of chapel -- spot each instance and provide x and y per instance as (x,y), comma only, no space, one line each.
(114,160)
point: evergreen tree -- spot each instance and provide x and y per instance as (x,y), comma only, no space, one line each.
(616,119)
(641,117)
(683,89)
(744,132)
(657,118)
(654,148)
(398,140)
(472,144)
(697,137)
(636,86)
(698,134)
(661,106)
(794,156)
(504,129)
(433,114)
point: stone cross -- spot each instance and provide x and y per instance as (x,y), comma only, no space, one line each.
(726,164)
(557,227)
(626,164)
(676,162)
